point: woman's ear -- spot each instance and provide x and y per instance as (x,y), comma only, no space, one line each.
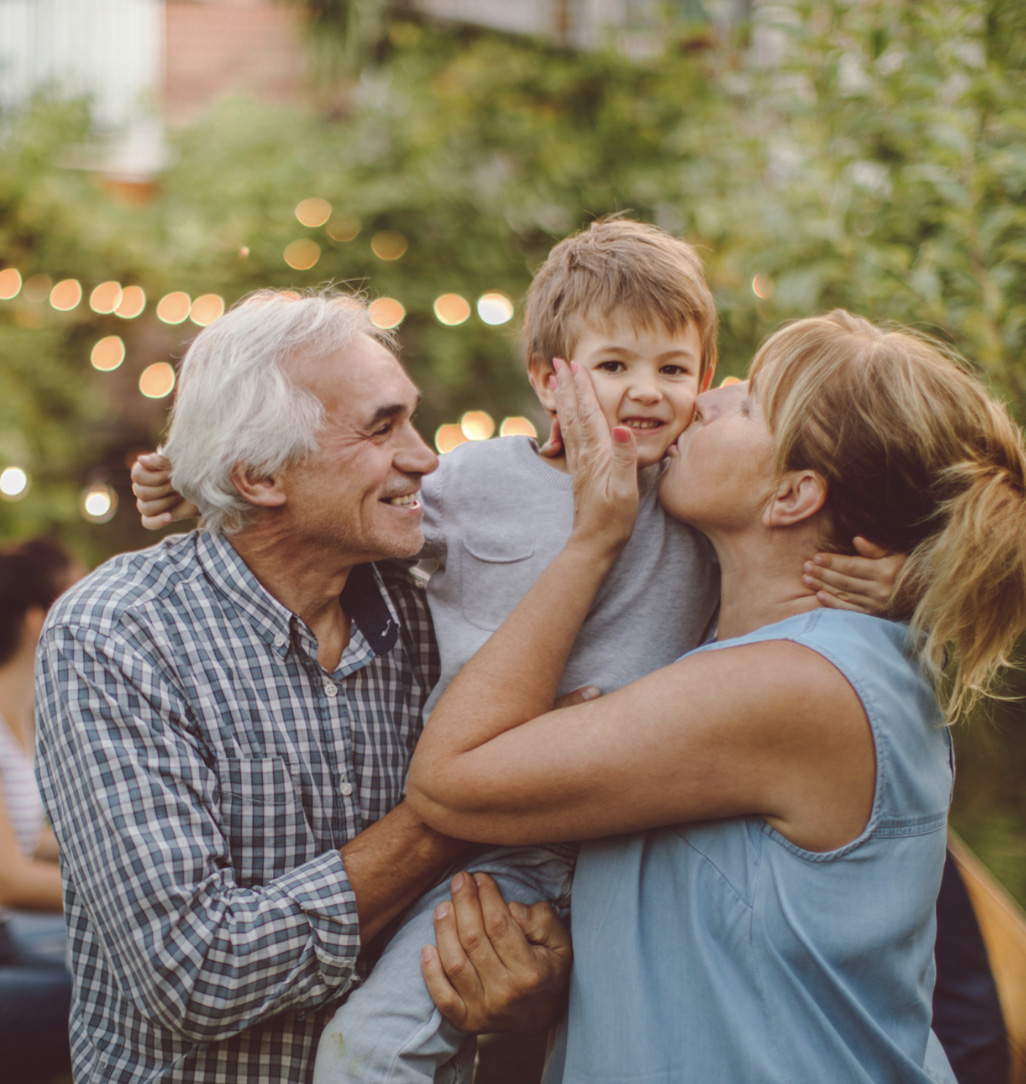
(539,370)
(263,490)
(800,495)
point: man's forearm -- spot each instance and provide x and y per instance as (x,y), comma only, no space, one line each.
(392,863)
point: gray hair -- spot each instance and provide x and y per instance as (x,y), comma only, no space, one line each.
(236,403)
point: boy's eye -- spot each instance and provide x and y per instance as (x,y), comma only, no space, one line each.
(674,370)
(610,366)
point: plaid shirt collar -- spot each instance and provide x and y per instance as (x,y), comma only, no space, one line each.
(364,598)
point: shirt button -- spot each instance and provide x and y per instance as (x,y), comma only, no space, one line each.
(279,641)
(346,789)
(331,688)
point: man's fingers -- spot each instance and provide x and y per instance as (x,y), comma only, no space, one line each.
(442,992)
(865,548)
(455,962)
(505,936)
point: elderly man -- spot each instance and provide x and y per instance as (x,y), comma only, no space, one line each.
(225,719)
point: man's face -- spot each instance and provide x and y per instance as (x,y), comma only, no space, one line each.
(357,494)
(646,379)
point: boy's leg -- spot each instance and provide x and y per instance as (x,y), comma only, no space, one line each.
(388,1031)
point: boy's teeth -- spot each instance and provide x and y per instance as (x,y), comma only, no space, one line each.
(647,423)
(411,499)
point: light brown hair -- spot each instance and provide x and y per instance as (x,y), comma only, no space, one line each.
(617,267)
(919,458)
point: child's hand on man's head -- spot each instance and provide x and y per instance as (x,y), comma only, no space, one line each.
(863,583)
(158,502)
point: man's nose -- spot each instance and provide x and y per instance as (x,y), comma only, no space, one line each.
(416,457)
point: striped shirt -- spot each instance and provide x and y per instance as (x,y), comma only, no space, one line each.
(201,771)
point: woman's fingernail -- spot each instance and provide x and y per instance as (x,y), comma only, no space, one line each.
(574,368)
(557,364)
(621,434)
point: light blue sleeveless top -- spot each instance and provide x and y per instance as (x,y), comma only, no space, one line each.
(721,953)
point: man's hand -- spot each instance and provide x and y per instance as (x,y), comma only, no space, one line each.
(496,967)
(156,499)
(864,583)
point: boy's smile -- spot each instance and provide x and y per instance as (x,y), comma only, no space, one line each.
(646,378)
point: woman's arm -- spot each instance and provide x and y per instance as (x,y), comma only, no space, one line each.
(30,884)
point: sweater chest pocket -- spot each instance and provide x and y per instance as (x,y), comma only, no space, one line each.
(264,824)
(494,577)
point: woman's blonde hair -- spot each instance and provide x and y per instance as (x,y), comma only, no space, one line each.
(920,459)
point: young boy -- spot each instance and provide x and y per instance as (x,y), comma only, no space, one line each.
(629,303)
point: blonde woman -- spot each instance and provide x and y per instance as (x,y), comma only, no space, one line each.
(767,815)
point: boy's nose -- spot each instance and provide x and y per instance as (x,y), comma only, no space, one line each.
(645,389)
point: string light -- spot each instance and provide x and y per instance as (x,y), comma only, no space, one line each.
(301,255)
(313,211)
(157,380)
(108,354)
(66,295)
(132,304)
(386,312)
(451,309)
(10,283)
(389,245)
(494,308)
(477,425)
(98,503)
(448,437)
(105,298)
(14,483)
(174,308)
(517,426)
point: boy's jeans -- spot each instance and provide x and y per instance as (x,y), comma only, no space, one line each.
(388,1031)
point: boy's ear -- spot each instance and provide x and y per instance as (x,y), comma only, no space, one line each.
(263,490)
(799,496)
(539,369)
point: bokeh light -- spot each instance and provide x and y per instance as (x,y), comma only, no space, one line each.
(762,286)
(13,483)
(132,304)
(157,380)
(495,308)
(517,426)
(108,353)
(206,309)
(477,425)
(313,211)
(343,228)
(728,380)
(98,502)
(37,288)
(302,254)
(389,245)
(66,295)
(386,312)
(105,298)
(451,309)
(448,437)
(10,283)
(174,308)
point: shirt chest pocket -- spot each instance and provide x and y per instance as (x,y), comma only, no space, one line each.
(263,821)
(493,579)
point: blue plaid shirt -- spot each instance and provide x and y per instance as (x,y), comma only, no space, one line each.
(201,771)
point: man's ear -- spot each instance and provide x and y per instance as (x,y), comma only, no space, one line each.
(263,490)
(539,370)
(800,495)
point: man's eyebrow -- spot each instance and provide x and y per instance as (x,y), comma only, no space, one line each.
(393,410)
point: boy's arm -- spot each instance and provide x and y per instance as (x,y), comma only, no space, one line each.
(158,502)
(864,583)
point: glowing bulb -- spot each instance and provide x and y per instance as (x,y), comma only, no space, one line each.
(108,354)
(13,483)
(517,427)
(98,502)
(343,228)
(10,283)
(451,309)
(66,295)
(206,309)
(302,255)
(762,286)
(132,304)
(313,211)
(105,298)
(37,288)
(386,312)
(477,425)
(495,308)
(157,380)
(174,308)
(448,437)
(388,245)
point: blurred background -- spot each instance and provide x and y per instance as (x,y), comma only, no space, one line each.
(158,160)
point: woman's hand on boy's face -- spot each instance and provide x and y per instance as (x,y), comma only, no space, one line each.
(553,447)
(158,502)
(864,583)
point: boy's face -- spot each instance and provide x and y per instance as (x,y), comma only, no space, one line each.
(645,379)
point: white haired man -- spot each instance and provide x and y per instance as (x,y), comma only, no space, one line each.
(225,720)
